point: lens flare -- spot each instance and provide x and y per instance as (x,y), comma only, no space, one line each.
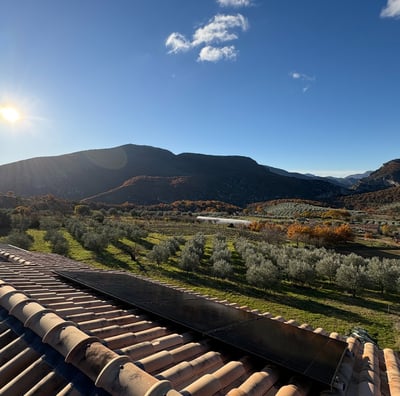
(10,114)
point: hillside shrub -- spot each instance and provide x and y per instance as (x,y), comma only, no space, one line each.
(222,269)
(20,239)
(5,221)
(159,253)
(189,260)
(95,241)
(58,242)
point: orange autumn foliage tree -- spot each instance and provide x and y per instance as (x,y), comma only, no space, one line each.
(299,232)
(320,234)
(344,233)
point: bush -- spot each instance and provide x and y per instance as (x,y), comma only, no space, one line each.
(351,277)
(198,243)
(220,250)
(94,241)
(328,266)
(264,275)
(50,223)
(60,246)
(133,232)
(173,244)
(190,260)
(58,243)
(76,229)
(20,222)
(159,253)
(222,269)
(20,239)
(301,271)
(82,210)
(383,274)
(5,222)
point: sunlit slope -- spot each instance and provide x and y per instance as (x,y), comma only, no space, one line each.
(388,175)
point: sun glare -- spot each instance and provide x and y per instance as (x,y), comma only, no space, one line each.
(10,114)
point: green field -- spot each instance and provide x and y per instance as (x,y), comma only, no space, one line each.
(322,305)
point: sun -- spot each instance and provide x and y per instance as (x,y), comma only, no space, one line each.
(10,114)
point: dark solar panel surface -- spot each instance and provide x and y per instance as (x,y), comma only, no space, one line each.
(304,352)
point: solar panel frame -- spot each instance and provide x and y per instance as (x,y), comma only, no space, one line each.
(312,355)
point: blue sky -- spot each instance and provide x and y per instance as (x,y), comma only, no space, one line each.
(303,85)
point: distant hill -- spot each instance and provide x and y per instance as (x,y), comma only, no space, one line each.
(283,172)
(388,175)
(147,175)
(347,182)
(370,189)
(370,200)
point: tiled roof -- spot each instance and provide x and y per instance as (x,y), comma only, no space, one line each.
(57,338)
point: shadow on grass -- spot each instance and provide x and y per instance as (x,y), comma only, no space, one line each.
(369,251)
(109,260)
(367,299)
(127,249)
(130,251)
(239,269)
(277,296)
(146,244)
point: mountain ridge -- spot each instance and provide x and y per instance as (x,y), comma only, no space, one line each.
(149,175)
(347,182)
(388,175)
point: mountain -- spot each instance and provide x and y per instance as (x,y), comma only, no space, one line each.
(84,173)
(283,172)
(388,175)
(148,175)
(347,182)
(372,200)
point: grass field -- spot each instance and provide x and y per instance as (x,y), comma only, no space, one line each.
(323,306)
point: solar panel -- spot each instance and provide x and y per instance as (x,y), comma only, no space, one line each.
(312,355)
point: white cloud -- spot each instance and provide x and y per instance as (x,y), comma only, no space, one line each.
(177,43)
(301,76)
(215,54)
(306,80)
(392,9)
(219,29)
(234,3)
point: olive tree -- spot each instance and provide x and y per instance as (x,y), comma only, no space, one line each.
(264,275)
(222,268)
(328,265)
(20,239)
(351,277)
(383,274)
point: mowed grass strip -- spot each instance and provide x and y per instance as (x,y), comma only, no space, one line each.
(39,244)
